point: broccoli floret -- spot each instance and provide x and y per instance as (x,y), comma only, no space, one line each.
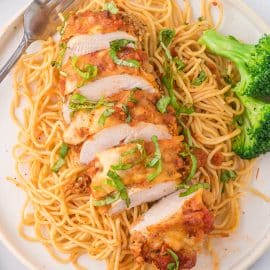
(253,61)
(254,123)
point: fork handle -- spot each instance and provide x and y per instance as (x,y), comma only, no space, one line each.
(14,58)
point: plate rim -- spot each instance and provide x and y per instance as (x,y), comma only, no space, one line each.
(258,250)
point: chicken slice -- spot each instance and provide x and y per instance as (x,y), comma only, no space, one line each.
(110,85)
(141,106)
(72,80)
(177,224)
(86,44)
(90,22)
(139,196)
(110,137)
(135,175)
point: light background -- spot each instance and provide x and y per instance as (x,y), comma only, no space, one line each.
(8,9)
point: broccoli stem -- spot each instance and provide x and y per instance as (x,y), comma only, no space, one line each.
(226,46)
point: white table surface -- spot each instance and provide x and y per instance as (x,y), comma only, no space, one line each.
(8,9)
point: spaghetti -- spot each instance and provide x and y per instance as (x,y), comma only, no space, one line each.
(65,222)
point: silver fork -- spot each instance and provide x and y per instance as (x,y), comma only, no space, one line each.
(40,22)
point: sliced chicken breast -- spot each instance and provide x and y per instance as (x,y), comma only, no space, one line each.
(135,176)
(177,224)
(106,67)
(123,133)
(139,196)
(90,22)
(111,85)
(86,44)
(129,106)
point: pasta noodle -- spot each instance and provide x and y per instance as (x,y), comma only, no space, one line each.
(67,223)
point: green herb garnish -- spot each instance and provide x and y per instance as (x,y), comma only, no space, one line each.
(163,103)
(156,161)
(126,110)
(168,80)
(194,167)
(108,200)
(131,97)
(107,113)
(228,175)
(116,46)
(111,7)
(165,38)
(86,73)
(174,265)
(115,181)
(180,65)
(62,155)
(200,79)
(58,64)
(79,102)
(194,188)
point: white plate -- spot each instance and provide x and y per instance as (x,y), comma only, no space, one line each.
(236,252)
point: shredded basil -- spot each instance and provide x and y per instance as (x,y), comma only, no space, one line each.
(194,167)
(194,162)
(107,113)
(62,155)
(122,167)
(180,65)
(156,161)
(194,188)
(58,64)
(165,38)
(174,265)
(86,73)
(200,79)
(139,147)
(228,175)
(168,80)
(163,103)
(79,102)
(108,200)
(63,26)
(116,46)
(115,181)
(131,97)
(126,110)
(186,133)
(111,7)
